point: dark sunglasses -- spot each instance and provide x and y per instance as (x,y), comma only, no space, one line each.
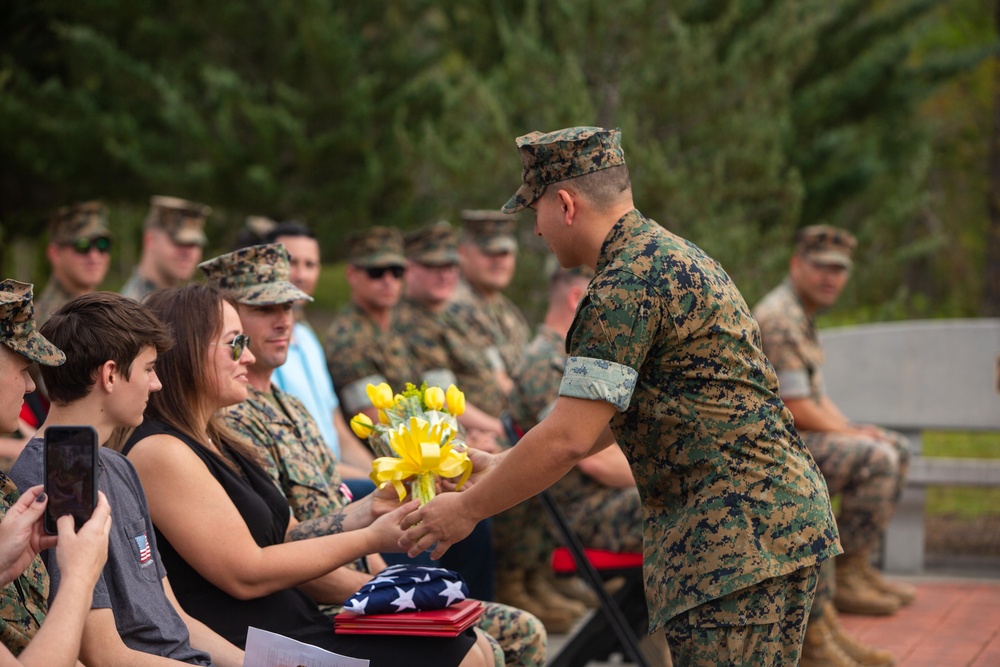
(240,343)
(376,272)
(83,246)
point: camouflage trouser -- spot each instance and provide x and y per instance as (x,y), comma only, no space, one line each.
(825,586)
(602,517)
(517,637)
(868,473)
(762,625)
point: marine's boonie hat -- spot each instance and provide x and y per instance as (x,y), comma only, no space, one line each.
(556,156)
(84,220)
(182,220)
(17,325)
(493,231)
(257,276)
(376,247)
(433,245)
(826,244)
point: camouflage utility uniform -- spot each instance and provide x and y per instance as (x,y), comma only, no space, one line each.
(358,352)
(496,320)
(301,464)
(867,472)
(442,347)
(138,287)
(23,601)
(52,298)
(602,517)
(736,514)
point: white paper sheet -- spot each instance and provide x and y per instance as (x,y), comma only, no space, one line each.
(267,649)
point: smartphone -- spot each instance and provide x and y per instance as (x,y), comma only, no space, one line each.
(70,455)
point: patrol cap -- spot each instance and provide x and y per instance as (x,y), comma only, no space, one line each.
(433,245)
(491,230)
(257,276)
(376,247)
(17,325)
(556,156)
(826,244)
(76,222)
(182,220)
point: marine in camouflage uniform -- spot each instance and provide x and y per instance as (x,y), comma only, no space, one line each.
(173,238)
(865,465)
(484,311)
(76,232)
(24,600)
(361,346)
(736,513)
(299,461)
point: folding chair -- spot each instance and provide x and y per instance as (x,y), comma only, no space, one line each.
(625,613)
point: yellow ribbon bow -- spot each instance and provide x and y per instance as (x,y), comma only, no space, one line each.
(425,452)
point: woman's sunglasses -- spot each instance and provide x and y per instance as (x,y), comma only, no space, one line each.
(84,246)
(240,343)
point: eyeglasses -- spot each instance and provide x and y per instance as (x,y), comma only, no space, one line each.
(84,246)
(240,343)
(376,272)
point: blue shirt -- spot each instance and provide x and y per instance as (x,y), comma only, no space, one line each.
(304,376)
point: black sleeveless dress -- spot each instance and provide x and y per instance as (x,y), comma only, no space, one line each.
(289,612)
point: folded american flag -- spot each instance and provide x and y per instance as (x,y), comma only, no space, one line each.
(408,588)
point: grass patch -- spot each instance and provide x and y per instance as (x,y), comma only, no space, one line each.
(957,501)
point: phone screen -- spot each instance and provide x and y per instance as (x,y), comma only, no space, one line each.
(70,474)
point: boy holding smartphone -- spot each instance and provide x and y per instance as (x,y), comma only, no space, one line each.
(111,344)
(24,583)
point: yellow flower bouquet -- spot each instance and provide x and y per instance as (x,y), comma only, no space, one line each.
(417,438)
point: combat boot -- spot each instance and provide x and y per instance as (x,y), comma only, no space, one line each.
(854,594)
(868,656)
(820,650)
(575,588)
(901,591)
(539,586)
(510,590)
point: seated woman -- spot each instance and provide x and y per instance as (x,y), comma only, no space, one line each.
(220,520)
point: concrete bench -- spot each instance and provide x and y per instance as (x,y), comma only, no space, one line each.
(912,377)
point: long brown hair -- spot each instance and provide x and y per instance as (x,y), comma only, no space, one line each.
(195,314)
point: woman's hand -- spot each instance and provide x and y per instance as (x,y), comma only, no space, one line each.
(385,531)
(22,534)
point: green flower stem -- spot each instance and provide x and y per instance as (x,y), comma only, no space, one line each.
(423,487)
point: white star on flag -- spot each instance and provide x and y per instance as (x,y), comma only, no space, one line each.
(452,591)
(357,607)
(405,599)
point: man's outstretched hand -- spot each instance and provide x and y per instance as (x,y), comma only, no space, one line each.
(439,524)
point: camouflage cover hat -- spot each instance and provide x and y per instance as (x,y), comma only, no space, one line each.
(182,220)
(257,275)
(826,244)
(556,156)
(376,247)
(84,220)
(17,325)
(491,230)
(433,245)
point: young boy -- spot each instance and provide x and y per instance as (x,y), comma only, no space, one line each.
(111,344)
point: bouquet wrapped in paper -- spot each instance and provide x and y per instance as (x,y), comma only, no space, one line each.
(417,438)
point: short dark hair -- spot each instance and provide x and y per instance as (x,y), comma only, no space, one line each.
(604,187)
(289,228)
(92,329)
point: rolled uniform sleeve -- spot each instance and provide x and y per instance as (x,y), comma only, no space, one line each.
(609,340)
